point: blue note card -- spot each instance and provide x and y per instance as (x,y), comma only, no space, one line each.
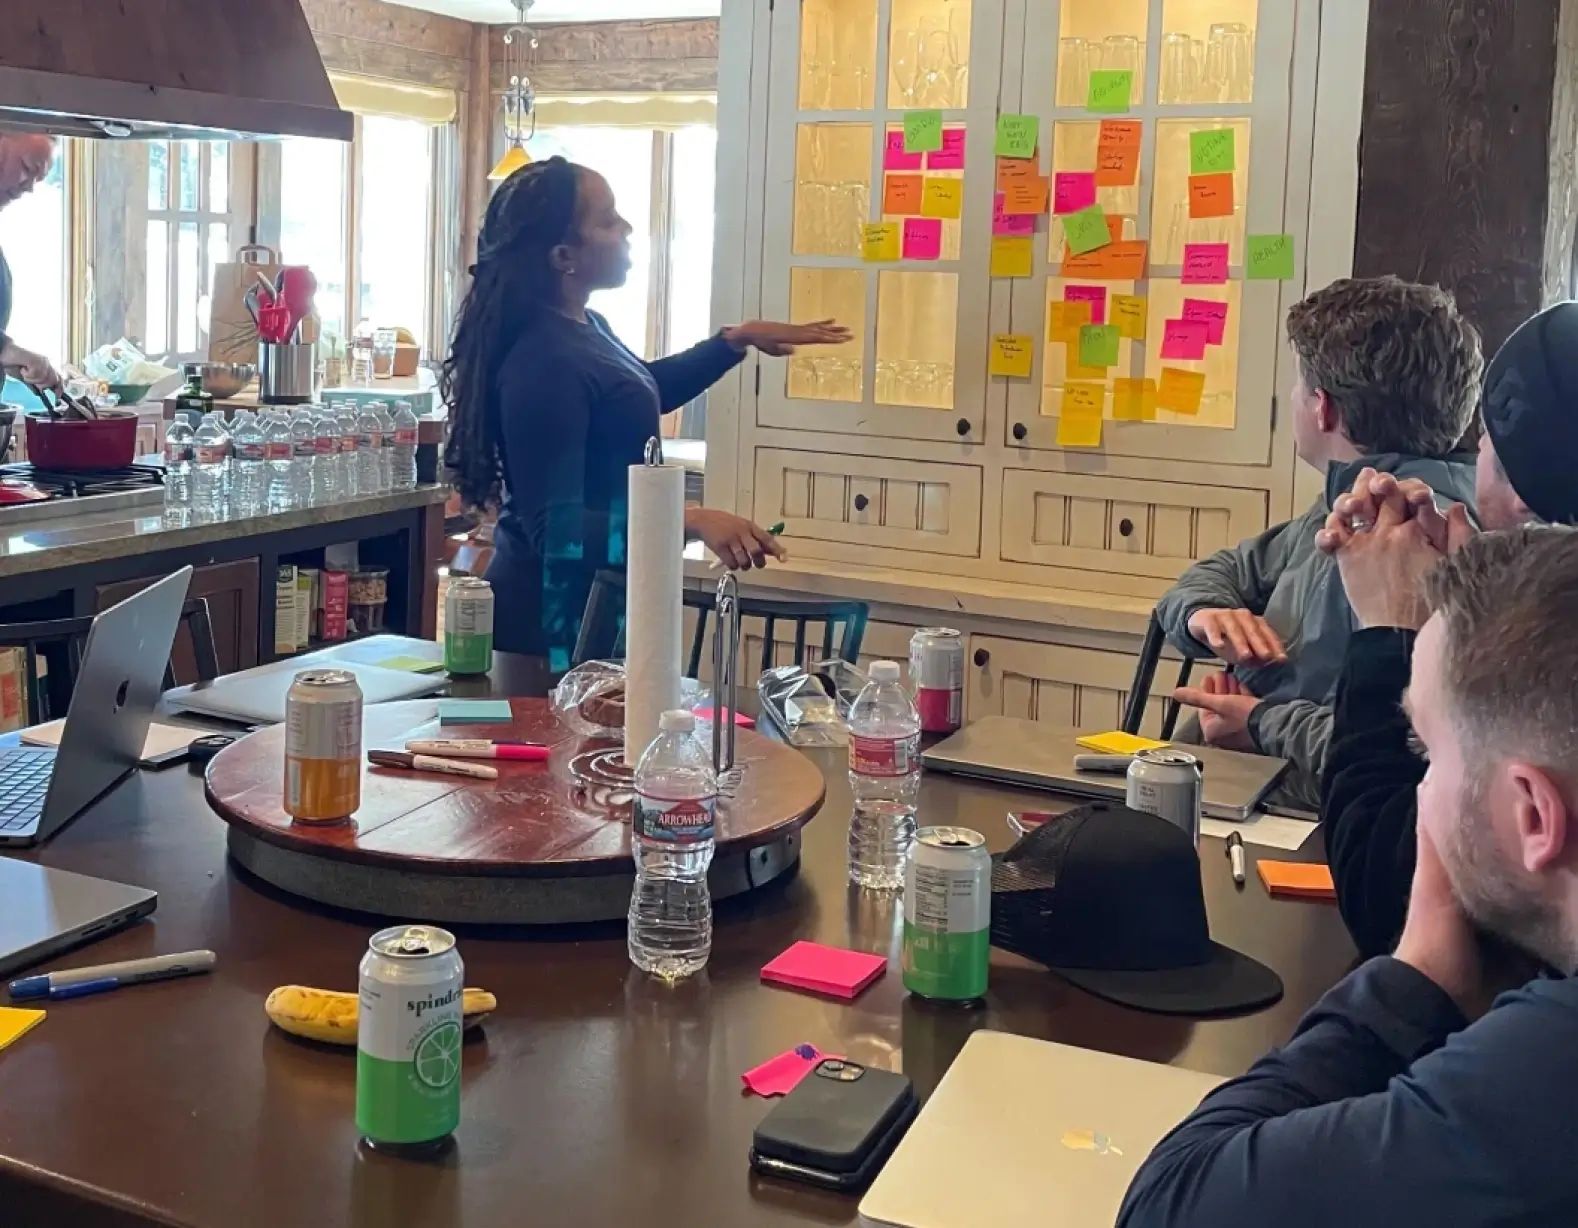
(474,712)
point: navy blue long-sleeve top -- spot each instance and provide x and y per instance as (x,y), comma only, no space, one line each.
(576,409)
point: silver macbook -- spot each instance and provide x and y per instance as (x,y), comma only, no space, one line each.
(257,696)
(44,912)
(1024,1131)
(1019,752)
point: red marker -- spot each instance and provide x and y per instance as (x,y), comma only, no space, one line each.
(479,748)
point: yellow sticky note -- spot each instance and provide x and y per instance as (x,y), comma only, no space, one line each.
(1011,355)
(15,1023)
(1117,743)
(1134,400)
(881,241)
(1180,390)
(1065,319)
(410,665)
(942,198)
(1012,256)
(1128,312)
(1074,370)
(1079,423)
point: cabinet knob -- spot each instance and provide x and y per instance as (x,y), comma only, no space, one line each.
(981,658)
(1020,430)
(861,503)
(963,428)
(1126,527)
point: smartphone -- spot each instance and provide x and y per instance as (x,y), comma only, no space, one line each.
(836,1127)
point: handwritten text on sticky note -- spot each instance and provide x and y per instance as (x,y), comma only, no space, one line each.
(1073,191)
(1269,258)
(1184,340)
(1098,345)
(1096,296)
(1128,313)
(922,238)
(901,195)
(1016,170)
(922,131)
(942,197)
(1064,320)
(1110,91)
(895,159)
(1205,264)
(1212,150)
(1011,355)
(1211,195)
(1210,313)
(1086,230)
(881,241)
(1118,153)
(1016,135)
(1026,197)
(1079,423)
(1005,223)
(951,156)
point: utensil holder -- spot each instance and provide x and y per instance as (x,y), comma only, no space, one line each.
(286,373)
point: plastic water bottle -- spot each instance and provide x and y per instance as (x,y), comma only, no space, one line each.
(386,446)
(403,470)
(178,449)
(279,447)
(350,469)
(210,461)
(369,447)
(675,813)
(326,465)
(884,776)
(303,456)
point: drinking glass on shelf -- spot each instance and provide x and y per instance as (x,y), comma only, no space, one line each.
(936,69)
(906,64)
(1122,53)
(944,385)
(844,379)
(1230,62)
(850,211)
(1076,58)
(817,60)
(1180,81)
(886,382)
(958,56)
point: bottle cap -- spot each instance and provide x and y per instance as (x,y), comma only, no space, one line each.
(884,671)
(677,721)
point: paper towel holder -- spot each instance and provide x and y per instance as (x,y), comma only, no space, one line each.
(653,453)
(725,666)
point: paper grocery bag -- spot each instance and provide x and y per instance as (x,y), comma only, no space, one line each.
(232,336)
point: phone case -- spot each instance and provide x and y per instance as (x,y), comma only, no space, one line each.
(837,1123)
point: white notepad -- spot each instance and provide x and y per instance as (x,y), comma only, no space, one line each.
(161,739)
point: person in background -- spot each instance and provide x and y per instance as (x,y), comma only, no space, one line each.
(1388,375)
(25,160)
(1386,536)
(548,409)
(1435,1086)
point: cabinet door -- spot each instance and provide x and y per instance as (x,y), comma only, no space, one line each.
(1199,67)
(232,593)
(1080,688)
(844,75)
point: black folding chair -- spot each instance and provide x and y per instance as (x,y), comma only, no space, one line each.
(1151,649)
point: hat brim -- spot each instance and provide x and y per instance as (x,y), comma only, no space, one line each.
(1226,984)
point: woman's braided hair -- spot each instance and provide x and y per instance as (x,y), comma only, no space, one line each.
(532,212)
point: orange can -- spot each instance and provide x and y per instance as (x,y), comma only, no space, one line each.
(323,746)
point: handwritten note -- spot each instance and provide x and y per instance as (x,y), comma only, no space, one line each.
(1064,320)
(1180,391)
(1016,170)
(951,156)
(1086,230)
(1005,223)
(1184,340)
(1011,256)
(1028,196)
(1098,345)
(1212,150)
(922,238)
(1128,313)
(1011,355)
(1016,135)
(922,131)
(1211,195)
(1269,258)
(1110,90)
(1096,296)
(1205,264)
(1073,191)
(901,195)
(895,159)
(880,241)
(1079,423)
(1118,153)
(1134,400)
(942,198)
(1118,261)
(1212,314)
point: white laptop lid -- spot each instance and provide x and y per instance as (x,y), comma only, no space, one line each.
(257,696)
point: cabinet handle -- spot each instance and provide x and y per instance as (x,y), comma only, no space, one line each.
(981,658)
(1126,527)
(1020,430)
(963,428)
(861,503)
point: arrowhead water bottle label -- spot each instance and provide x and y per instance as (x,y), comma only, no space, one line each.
(879,757)
(687,821)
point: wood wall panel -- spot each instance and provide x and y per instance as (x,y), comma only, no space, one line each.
(619,56)
(376,39)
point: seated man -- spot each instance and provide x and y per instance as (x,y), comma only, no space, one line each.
(1388,378)
(1528,456)
(1435,1087)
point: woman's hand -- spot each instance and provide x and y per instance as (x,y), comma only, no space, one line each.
(739,544)
(781,340)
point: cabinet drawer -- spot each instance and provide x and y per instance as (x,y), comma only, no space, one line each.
(869,500)
(1122,524)
(1084,688)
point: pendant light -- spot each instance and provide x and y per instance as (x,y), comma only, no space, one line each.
(519,42)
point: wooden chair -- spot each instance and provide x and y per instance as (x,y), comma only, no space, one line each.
(1144,674)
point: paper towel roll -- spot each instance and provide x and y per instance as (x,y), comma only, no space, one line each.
(654,611)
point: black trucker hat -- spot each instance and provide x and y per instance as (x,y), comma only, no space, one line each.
(1530,409)
(1110,899)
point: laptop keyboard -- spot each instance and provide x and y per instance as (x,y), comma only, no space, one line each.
(24,782)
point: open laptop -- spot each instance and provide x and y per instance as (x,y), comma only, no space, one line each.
(1018,752)
(118,685)
(44,912)
(1023,1131)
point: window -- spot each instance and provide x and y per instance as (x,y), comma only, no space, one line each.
(312,222)
(33,235)
(396,201)
(691,195)
(188,233)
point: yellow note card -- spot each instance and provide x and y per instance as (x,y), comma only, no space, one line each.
(1134,400)
(1117,743)
(1064,320)
(1079,425)
(15,1023)
(1011,355)
(1011,256)
(881,241)
(942,198)
(1180,390)
(1128,313)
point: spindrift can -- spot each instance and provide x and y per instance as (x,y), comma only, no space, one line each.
(1168,783)
(408,1038)
(947,914)
(468,626)
(937,674)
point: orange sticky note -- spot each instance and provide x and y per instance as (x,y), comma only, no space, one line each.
(942,198)
(901,195)
(1211,195)
(1297,880)
(1064,320)
(1134,400)
(1128,312)
(1026,196)
(1016,170)
(1118,153)
(1012,256)
(1123,261)
(1079,422)
(1011,355)
(1180,391)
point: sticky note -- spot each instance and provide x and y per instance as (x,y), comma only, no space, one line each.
(410,665)
(1211,195)
(1027,197)
(1297,880)
(1212,150)
(1079,423)
(1064,320)
(1110,90)
(474,712)
(880,241)
(1205,264)
(1118,261)
(1005,223)
(1118,153)
(1180,391)
(1096,296)
(1011,355)
(1016,170)
(1117,743)
(922,131)
(922,238)
(1016,135)
(895,159)
(1212,314)
(951,156)
(1134,400)
(1098,345)
(1073,191)
(1086,230)
(942,198)
(1011,256)
(1074,372)
(825,970)
(1269,258)
(1129,313)
(901,195)
(16,1023)
(1184,340)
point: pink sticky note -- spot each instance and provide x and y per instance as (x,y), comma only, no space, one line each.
(1205,264)
(1096,296)
(1011,223)
(1185,339)
(895,159)
(825,970)
(1212,315)
(922,238)
(777,1076)
(951,156)
(1073,191)
(711,714)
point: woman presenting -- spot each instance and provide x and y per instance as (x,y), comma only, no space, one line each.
(548,409)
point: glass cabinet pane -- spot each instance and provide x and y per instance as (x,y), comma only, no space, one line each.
(917,321)
(949,249)
(1100,36)
(838,55)
(1208,51)
(836,372)
(1172,227)
(1219,405)
(929,54)
(832,190)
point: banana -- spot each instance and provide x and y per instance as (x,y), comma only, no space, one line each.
(329,1017)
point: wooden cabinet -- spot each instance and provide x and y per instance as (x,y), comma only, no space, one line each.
(232,592)
(1083,688)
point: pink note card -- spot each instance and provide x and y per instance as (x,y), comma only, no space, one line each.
(1073,191)
(1011,223)
(1205,264)
(951,156)
(895,159)
(1096,296)
(1185,339)
(711,714)
(922,238)
(825,970)
(777,1076)
(1213,315)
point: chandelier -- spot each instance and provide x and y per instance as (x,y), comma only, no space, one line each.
(520,122)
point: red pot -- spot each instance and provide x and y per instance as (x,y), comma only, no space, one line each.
(106,442)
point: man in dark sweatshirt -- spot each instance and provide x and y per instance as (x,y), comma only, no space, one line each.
(1435,1086)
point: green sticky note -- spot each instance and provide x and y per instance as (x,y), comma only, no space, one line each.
(1016,136)
(922,131)
(1110,91)
(1212,151)
(1086,230)
(410,665)
(1098,345)
(1269,258)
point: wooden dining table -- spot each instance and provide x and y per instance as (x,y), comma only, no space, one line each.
(594,1096)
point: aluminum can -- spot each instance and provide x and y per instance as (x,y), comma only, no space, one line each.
(323,746)
(937,678)
(947,914)
(1168,783)
(468,626)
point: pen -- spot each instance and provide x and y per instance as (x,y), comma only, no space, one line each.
(479,748)
(426,763)
(1235,856)
(775,531)
(104,977)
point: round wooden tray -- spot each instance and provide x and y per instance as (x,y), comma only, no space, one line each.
(532,847)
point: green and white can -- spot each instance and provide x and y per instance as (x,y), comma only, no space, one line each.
(468,626)
(408,1038)
(947,914)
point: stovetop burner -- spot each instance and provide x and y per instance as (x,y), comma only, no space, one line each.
(64,484)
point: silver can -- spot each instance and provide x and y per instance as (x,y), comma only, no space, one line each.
(1167,783)
(323,746)
(937,678)
(947,914)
